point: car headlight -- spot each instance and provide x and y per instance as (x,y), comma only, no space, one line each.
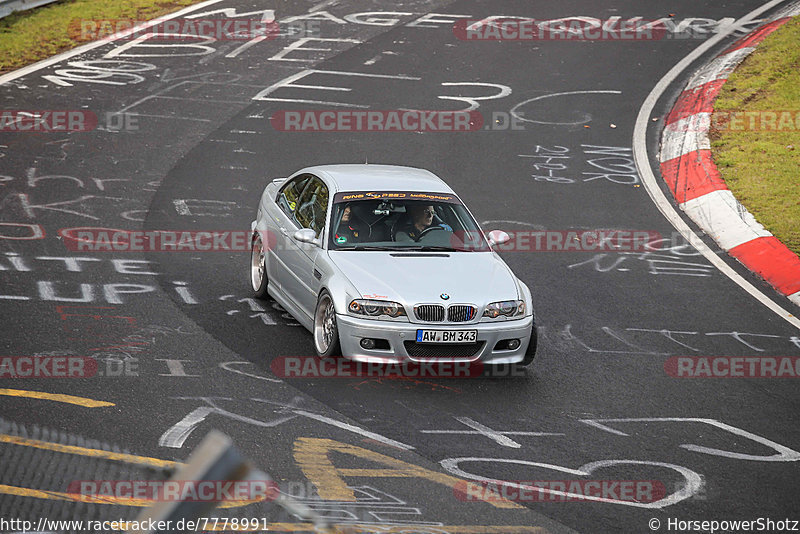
(506,308)
(377,308)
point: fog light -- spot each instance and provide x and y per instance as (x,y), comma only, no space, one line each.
(513,344)
(368,343)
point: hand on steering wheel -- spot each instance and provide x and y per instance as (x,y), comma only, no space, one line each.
(429,229)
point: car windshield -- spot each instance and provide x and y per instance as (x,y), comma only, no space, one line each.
(403,221)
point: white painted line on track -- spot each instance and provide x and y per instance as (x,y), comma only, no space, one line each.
(651,184)
(498,436)
(353,428)
(228,366)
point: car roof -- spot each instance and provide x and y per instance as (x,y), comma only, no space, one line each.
(368,177)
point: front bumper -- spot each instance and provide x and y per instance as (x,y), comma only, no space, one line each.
(353,329)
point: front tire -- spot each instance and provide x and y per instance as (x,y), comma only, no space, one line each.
(258,268)
(326,331)
(530,353)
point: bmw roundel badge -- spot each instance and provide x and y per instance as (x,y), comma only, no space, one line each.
(445,296)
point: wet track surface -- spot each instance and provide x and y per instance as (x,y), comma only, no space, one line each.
(201,152)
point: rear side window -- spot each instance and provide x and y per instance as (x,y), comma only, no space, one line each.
(313,205)
(289,194)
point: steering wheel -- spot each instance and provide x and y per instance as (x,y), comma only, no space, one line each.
(429,229)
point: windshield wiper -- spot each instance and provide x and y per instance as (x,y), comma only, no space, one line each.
(431,248)
(369,247)
(419,248)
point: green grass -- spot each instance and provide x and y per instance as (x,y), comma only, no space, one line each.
(762,168)
(36,34)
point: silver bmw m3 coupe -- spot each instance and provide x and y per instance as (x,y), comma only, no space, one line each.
(385,263)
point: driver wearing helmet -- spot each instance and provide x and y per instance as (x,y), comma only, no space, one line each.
(421,218)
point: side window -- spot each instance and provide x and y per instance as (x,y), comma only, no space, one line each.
(290,193)
(312,206)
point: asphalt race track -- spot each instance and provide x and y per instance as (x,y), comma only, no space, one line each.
(183,349)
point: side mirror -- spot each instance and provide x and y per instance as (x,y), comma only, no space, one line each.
(498,237)
(306,235)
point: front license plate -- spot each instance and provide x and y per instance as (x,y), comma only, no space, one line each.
(447,336)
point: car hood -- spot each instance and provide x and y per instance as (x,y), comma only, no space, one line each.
(414,277)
